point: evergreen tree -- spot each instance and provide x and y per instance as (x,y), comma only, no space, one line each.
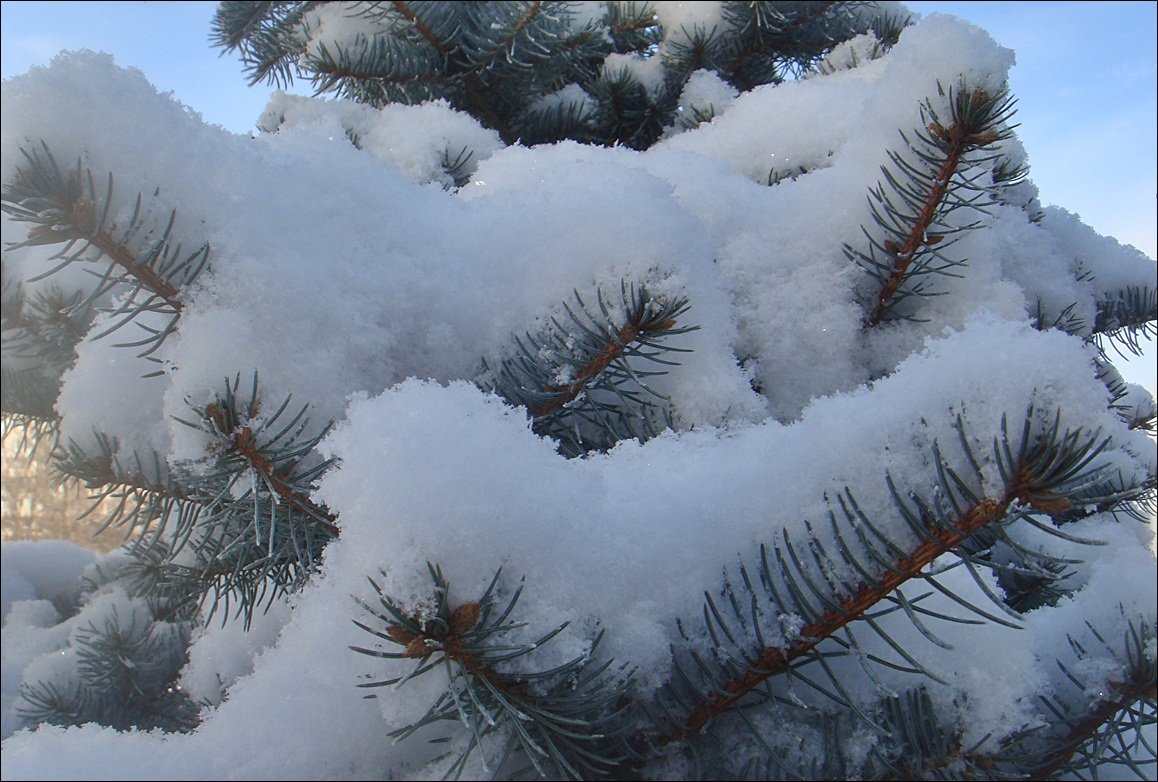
(948,449)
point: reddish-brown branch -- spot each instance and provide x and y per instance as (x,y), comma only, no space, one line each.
(959,139)
(567,393)
(244,446)
(774,660)
(916,237)
(148,278)
(81,214)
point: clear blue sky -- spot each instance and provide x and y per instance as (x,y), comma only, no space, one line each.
(1086,80)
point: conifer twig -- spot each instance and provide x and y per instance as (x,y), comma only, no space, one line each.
(560,719)
(1126,694)
(242,441)
(774,660)
(1037,475)
(972,127)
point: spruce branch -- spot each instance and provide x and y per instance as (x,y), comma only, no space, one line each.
(28,398)
(495,60)
(159,514)
(265,34)
(238,524)
(40,332)
(67,209)
(33,430)
(583,380)
(124,664)
(1128,318)
(257,534)
(562,721)
(912,209)
(376,72)
(407,12)
(917,741)
(458,168)
(1111,730)
(1045,471)
(631,27)
(51,703)
(142,495)
(246,441)
(766,41)
(766,21)
(918,745)
(627,112)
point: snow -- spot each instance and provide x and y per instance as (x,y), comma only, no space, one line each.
(355,279)
(414,138)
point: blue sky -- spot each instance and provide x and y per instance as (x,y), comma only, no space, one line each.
(1086,80)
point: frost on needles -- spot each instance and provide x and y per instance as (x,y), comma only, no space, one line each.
(573,391)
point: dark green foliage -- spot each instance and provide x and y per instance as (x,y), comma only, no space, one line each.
(559,723)
(498,60)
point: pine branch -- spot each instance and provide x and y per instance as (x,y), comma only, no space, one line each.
(583,382)
(500,58)
(495,60)
(243,512)
(67,209)
(1045,473)
(377,73)
(406,12)
(124,665)
(925,191)
(266,34)
(1127,319)
(40,334)
(274,458)
(48,702)
(765,28)
(1129,706)
(631,26)
(255,534)
(561,720)
(627,112)
(34,430)
(484,59)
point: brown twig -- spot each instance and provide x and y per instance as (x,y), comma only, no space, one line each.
(774,660)
(590,371)
(243,445)
(956,141)
(81,212)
